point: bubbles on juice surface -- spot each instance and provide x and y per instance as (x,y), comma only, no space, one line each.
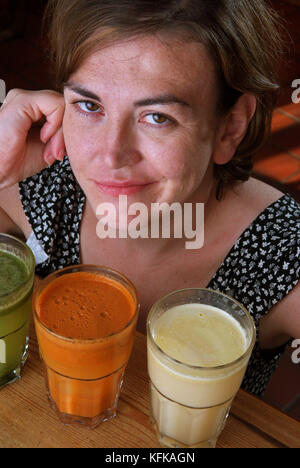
(84,307)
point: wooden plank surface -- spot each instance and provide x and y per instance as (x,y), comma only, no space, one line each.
(267,419)
(26,419)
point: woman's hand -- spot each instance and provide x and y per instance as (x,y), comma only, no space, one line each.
(30,134)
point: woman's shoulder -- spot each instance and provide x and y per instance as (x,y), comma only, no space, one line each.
(255,195)
(263,201)
(255,212)
(242,205)
(266,209)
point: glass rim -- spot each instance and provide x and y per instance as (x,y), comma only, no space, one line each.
(30,253)
(191,366)
(68,270)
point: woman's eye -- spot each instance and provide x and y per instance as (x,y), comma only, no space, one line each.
(88,107)
(157,119)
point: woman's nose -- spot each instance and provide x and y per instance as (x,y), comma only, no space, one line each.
(119,148)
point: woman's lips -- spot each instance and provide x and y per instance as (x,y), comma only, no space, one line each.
(116,189)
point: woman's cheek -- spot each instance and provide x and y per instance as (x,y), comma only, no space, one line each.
(68,132)
(177,164)
(77,145)
(168,160)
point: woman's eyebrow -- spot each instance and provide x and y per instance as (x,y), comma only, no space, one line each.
(162,99)
(82,91)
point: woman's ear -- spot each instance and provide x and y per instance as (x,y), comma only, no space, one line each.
(233,128)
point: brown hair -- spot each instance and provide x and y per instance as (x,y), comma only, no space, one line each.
(242,36)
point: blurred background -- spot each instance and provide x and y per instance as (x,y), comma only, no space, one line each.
(24,64)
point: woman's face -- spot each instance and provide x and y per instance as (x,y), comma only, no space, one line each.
(141,121)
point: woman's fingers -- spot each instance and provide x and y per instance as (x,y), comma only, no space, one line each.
(54,114)
(23,152)
(55,148)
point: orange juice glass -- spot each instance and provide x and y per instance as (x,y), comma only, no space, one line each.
(85,319)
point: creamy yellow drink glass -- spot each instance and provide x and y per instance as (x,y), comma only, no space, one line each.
(199,343)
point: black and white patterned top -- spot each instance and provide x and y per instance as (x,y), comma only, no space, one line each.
(261,268)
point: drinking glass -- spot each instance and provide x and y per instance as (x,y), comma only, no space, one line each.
(189,403)
(84,376)
(16,284)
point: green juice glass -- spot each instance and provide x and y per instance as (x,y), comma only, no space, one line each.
(17,266)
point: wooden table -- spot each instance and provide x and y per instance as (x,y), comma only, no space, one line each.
(27,421)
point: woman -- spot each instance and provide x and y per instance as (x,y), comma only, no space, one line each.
(162,102)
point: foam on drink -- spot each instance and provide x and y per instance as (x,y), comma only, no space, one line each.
(200,335)
(84,305)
